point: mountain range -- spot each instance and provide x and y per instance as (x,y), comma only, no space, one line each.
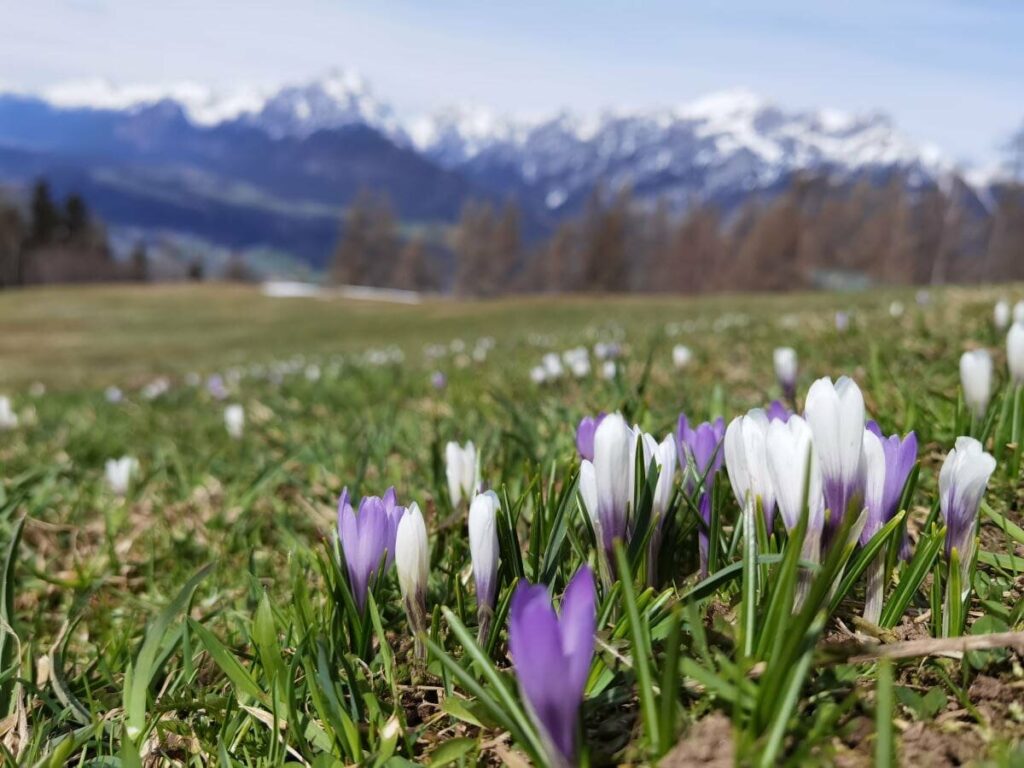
(275,168)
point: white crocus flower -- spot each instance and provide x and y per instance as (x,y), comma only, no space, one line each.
(681,356)
(412,561)
(976,379)
(874,500)
(1015,353)
(234,420)
(786,365)
(462,469)
(8,418)
(1001,314)
(119,474)
(746,461)
(484,553)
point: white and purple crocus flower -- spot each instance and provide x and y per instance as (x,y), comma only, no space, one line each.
(605,482)
(835,414)
(368,538)
(962,482)
(888,462)
(700,459)
(552,654)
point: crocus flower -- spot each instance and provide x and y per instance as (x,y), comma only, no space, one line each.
(700,455)
(663,455)
(215,387)
(888,462)
(552,656)
(438,380)
(463,471)
(796,477)
(8,418)
(483,550)
(605,481)
(552,366)
(367,538)
(900,455)
(113,395)
(746,460)
(792,466)
(234,420)
(842,321)
(1001,314)
(412,561)
(585,435)
(700,458)
(835,414)
(785,361)
(681,356)
(962,482)
(608,370)
(394,514)
(1015,353)
(119,474)
(777,411)
(976,379)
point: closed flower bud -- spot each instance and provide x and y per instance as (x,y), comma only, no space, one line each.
(234,420)
(412,561)
(1015,353)
(484,551)
(976,379)
(462,469)
(785,361)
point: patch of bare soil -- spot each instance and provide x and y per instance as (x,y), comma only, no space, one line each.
(708,743)
(925,744)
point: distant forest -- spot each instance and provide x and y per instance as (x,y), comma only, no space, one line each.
(58,242)
(812,234)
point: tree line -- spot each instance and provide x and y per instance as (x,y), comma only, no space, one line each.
(58,242)
(814,233)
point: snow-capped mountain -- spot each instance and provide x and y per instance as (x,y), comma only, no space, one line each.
(279,159)
(337,100)
(727,143)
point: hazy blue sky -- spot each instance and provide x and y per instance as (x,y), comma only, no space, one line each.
(949,71)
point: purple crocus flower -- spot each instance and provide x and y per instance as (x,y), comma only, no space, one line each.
(700,450)
(552,656)
(215,387)
(777,411)
(366,537)
(585,435)
(438,380)
(700,459)
(900,457)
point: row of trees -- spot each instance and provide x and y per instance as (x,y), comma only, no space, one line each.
(814,233)
(58,243)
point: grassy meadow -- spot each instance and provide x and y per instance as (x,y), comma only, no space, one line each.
(204,616)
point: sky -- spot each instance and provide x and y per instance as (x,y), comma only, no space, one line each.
(950,72)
